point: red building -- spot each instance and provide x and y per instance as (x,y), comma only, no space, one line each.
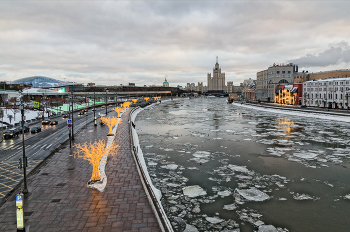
(289,94)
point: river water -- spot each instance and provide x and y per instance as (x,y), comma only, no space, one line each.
(225,167)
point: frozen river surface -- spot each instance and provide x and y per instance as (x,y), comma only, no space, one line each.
(224,167)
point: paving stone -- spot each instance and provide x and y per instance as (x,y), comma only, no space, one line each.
(60,201)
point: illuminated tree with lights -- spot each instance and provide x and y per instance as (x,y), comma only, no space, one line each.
(146,98)
(110,122)
(95,154)
(118,110)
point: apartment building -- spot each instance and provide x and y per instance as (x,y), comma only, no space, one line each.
(331,93)
(261,85)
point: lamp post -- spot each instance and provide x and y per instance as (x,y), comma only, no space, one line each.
(25,187)
(106,100)
(95,123)
(43,116)
(72,115)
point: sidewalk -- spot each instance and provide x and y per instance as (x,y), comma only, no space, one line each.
(60,201)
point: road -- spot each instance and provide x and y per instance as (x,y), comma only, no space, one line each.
(37,147)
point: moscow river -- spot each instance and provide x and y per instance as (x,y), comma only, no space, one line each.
(223,167)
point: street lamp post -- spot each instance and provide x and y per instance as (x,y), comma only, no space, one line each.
(25,188)
(95,121)
(106,100)
(72,116)
(43,116)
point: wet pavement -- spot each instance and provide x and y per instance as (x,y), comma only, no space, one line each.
(59,199)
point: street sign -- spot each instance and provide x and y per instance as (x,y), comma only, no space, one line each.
(69,121)
(36,104)
(19,200)
(69,126)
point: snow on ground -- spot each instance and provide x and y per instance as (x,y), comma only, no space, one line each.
(297,113)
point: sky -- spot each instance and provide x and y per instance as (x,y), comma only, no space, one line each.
(143,42)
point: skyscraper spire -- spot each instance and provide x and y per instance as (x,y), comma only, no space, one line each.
(216,60)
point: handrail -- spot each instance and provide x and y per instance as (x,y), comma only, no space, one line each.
(162,219)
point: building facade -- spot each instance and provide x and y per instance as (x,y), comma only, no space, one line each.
(279,74)
(330,93)
(261,86)
(216,83)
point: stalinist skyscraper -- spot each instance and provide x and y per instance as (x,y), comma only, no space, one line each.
(217,82)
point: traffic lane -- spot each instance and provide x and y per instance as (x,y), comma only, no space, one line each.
(44,140)
(10,146)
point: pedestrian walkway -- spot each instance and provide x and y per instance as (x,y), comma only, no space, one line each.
(59,199)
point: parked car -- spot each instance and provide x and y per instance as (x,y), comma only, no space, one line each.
(53,122)
(35,129)
(11,133)
(45,122)
(25,129)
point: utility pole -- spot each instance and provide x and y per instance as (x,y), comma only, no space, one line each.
(43,116)
(106,100)
(72,116)
(25,164)
(95,123)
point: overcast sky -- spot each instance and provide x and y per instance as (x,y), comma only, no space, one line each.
(117,42)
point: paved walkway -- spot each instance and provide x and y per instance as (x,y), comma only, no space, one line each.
(60,201)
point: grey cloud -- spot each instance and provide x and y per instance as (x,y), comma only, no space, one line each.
(160,37)
(335,54)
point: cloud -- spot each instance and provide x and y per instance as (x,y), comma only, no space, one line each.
(336,54)
(114,42)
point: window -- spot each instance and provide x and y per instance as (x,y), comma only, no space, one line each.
(283,71)
(336,95)
(288,71)
(341,96)
(278,71)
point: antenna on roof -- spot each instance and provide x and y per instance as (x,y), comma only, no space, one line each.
(216,60)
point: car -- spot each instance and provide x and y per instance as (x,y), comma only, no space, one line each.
(45,122)
(25,129)
(93,110)
(85,110)
(11,133)
(53,122)
(102,107)
(65,115)
(81,113)
(35,129)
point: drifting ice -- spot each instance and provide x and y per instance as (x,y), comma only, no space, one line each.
(253,194)
(213,220)
(267,228)
(194,191)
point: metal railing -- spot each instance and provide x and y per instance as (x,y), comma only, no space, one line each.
(162,219)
